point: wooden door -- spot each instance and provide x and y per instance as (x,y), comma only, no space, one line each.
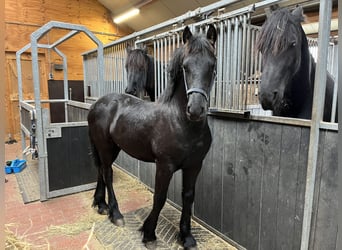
(56,91)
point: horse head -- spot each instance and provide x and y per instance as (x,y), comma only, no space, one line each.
(198,69)
(281,42)
(136,66)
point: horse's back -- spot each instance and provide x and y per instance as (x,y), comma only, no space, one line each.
(104,110)
(112,101)
(102,107)
(122,120)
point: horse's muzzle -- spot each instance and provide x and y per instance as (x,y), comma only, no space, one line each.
(131,91)
(196,109)
(268,99)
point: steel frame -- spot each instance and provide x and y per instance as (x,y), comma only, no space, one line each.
(41,119)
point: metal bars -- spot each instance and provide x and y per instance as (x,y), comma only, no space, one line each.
(238,62)
(332,62)
(233,28)
(114,78)
(237,65)
(163,48)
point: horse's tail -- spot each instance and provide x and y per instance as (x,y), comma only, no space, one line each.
(94,154)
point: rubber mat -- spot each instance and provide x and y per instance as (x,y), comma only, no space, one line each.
(28,181)
(128,237)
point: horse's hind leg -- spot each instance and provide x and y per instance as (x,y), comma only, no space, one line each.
(100,193)
(107,159)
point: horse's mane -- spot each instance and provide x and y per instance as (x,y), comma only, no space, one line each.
(197,44)
(274,35)
(138,61)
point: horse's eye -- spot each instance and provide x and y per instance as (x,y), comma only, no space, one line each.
(293,44)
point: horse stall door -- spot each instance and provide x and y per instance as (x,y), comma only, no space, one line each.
(56,91)
(70,168)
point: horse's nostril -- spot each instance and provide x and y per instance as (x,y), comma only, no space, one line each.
(188,109)
(275,93)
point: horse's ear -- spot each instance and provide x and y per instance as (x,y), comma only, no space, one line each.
(128,48)
(298,13)
(271,9)
(212,34)
(186,34)
(144,49)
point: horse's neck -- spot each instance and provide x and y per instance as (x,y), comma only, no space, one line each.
(180,97)
(307,66)
(302,82)
(312,71)
(175,93)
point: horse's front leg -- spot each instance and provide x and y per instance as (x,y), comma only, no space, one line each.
(188,195)
(162,181)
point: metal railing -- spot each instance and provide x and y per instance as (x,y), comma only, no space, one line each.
(238,68)
(238,63)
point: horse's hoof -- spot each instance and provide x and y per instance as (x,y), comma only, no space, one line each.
(189,243)
(118,222)
(102,211)
(191,248)
(151,244)
(102,208)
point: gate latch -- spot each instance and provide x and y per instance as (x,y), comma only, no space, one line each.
(55,132)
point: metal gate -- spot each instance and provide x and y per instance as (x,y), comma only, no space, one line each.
(61,148)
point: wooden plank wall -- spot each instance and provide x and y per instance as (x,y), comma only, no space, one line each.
(22,17)
(252,184)
(253,180)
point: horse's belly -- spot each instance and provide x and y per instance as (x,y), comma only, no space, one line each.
(139,151)
(134,145)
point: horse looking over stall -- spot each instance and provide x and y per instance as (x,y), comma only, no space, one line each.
(288,74)
(172,132)
(140,72)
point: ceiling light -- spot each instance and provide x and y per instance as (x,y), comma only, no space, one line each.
(130,13)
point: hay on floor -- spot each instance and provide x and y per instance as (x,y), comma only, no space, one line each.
(71,229)
(15,241)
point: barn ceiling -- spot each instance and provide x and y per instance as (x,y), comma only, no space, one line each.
(153,12)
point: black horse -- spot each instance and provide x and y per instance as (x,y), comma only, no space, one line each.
(288,74)
(172,132)
(140,72)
